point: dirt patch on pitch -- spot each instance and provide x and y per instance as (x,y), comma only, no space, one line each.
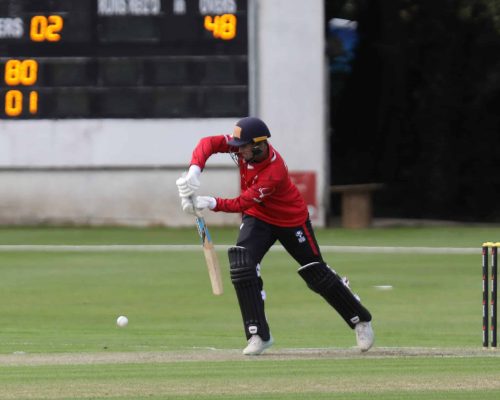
(215,355)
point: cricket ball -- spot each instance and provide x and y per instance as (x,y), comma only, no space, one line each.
(122,321)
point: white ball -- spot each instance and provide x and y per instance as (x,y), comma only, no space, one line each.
(122,321)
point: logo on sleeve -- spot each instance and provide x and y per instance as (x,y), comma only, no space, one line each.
(263,192)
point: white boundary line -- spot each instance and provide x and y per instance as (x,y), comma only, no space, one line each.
(192,247)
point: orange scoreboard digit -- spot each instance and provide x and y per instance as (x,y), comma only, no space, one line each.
(20,73)
(123,59)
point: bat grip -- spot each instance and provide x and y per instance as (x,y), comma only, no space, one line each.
(197,212)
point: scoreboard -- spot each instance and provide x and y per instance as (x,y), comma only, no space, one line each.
(95,59)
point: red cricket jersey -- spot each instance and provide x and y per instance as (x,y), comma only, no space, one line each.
(267,193)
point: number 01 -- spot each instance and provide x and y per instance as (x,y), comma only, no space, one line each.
(14,103)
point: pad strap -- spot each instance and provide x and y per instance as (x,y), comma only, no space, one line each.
(248,286)
(323,280)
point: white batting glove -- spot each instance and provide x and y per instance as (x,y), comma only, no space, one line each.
(182,186)
(202,202)
(188,206)
(189,183)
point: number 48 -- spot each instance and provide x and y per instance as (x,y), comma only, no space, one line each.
(221,26)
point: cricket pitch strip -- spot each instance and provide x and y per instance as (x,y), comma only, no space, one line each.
(214,355)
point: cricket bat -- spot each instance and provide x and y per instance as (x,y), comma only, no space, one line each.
(210,256)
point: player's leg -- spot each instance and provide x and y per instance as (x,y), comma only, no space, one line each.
(336,291)
(301,243)
(254,240)
(326,282)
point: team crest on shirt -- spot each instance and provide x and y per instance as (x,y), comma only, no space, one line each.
(300,236)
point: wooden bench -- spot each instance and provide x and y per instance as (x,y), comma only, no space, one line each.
(356,204)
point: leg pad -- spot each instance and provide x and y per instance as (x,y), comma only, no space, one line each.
(323,280)
(248,286)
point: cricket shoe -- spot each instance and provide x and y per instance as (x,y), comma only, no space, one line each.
(364,335)
(256,345)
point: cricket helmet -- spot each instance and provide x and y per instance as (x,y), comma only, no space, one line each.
(249,130)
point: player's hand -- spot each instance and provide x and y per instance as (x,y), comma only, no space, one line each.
(188,206)
(202,202)
(185,189)
(189,183)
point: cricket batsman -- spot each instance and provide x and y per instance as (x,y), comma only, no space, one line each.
(272,209)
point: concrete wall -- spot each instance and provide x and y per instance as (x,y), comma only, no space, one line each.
(291,85)
(103,197)
(106,171)
(123,171)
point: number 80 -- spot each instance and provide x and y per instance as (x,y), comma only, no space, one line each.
(21,72)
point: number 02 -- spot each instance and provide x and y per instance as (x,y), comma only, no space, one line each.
(46,28)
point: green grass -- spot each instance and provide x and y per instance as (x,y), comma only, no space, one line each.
(68,301)
(257,379)
(52,304)
(470,236)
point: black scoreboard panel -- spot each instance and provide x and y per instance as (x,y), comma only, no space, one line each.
(123,59)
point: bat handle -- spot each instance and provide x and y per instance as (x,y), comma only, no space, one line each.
(197,212)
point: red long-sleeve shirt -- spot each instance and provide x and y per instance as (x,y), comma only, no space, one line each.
(267,192)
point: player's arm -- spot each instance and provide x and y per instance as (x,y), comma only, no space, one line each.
(208,146)
(189,182)
(256,194)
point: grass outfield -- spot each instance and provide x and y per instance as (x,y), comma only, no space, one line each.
(58,337)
